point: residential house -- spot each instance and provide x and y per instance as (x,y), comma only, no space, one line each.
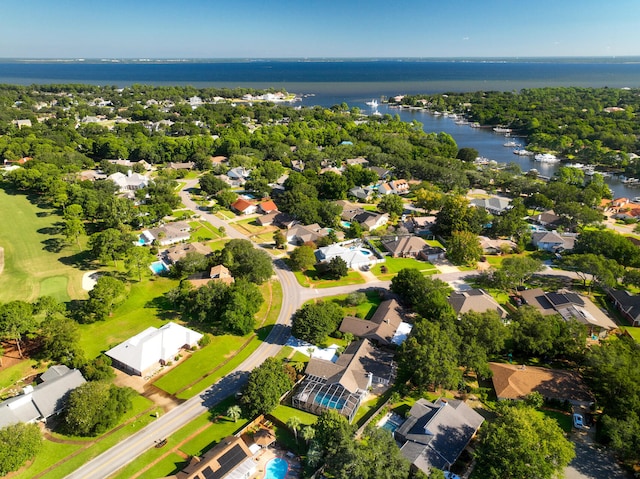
(362,193)
(475,300)
(244,207)
(239,173)
(435,433)
(131,164)
(230,459)
(355,256)
(432,253)
(547,219)
(513,381)
(385,327)
(350,211)
(553,241)
(496,205)
(267,207)
(495,246)
(371,221)
(619,202)
(423,225)
(179,251)
(628,304)
(129,182)
(168,234)
(217,273)
(381,172)
(357,161)
(218,160)
(188,165)
(42,401)
(22,123)
(300,234)
(345,384)
(153,348)
(395,187)
(404,246)
(570,306)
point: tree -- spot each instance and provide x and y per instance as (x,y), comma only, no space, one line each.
(245,261)
(72,229)
(96,407)
(415,288)
(18,443)
(266,384)
(456,215)
(279,239)
(103,298)
(16,320)
(138,260)
(391,204)
(334,438)
(99,369)
(601,270)
(464,248)
(481,335)
(608,244)
(516,270)
(467,154)
(293,423)
(521,444)
(315,321)
(302,258)
(429,198)
(234,412)
(59,336)
(531,332)
(212,185)
(110,244)
(308,433)
(337,268)
(429,357)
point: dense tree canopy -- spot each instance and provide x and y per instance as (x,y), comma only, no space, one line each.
(267,383)
(315,321)
(18,443)
(246,262)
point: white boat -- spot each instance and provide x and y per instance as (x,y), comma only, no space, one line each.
(461,122)
(500,129)
(546,158)
(522,152)
(511,144)
(373,103)
(475,124)
(580,166)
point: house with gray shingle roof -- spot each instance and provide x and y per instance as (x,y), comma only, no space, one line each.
(384,328)
(345,384)
(436,433)
(628,304)
(553,241)
(41,401)
(475,300)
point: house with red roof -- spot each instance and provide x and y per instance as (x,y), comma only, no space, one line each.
(244,207)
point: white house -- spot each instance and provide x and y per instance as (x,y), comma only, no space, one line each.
(130,181)
(147,351)
(168,234)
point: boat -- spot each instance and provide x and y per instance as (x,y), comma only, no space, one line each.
(522,152)
(501,129)
(461,122)
(475,124)
(546,158)
(511,143)
(373,103)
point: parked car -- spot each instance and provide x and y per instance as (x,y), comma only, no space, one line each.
(450,475)
(578,421)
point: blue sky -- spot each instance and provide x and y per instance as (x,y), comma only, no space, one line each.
(313,28)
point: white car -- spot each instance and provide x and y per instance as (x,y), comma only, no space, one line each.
(578,421)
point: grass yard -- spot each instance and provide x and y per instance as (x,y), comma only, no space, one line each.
(634,332)
(143,308)
(11,375)
(225,214)
(217,245)
(394,265)
(364,310)
(250,226)
(284,413)
(56,452)
(32,258)
(563,419)
(204,231)
(311,279)
(207,365)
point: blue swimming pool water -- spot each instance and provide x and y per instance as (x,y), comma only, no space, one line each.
(276,468)
(141,240)
(158,267)
(345,224)
(326,401)
(391,424)
(365,252)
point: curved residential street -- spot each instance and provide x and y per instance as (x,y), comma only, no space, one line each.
(294,296)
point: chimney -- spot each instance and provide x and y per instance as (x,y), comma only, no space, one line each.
(129,173)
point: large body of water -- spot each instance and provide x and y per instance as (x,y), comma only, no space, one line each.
(356,82)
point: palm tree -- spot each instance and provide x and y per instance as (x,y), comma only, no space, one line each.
(234,412)
(308,433)
(294,423)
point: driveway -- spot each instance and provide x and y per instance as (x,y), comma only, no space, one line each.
(593,462)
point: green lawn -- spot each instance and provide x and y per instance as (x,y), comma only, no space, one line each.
(284,413)
(203,231)
(218,245)
(56,452)
(563,419)
(311,279)
(29,269)
(634,332)
(364,310)
(207,365)
(225,214)
(394,265)
(141,310)
(250,226)
(11,375)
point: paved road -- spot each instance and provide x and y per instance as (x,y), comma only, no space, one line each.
(294,296)
(593,462)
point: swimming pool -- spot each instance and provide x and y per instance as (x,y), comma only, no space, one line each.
(158,267)
(345,224)
(327,401)
(276,468)
(392,422)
